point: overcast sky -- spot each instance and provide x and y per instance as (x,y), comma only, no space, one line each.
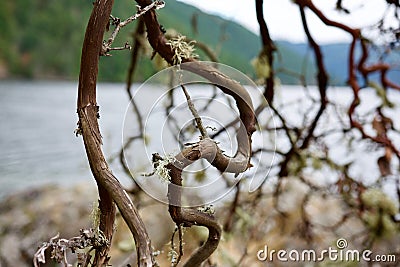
(283,17)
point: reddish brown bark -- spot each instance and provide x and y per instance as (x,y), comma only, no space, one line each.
(110,190)
(268,49)
(239,163)
(356,35)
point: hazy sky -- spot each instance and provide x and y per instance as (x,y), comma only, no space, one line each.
(283,17)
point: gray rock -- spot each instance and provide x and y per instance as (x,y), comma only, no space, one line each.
(29,218)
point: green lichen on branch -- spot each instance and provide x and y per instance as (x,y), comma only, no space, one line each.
(95,215)
(379,214)
(182,49)
(160,167)
(261,66)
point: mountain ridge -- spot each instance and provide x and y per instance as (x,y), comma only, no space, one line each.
(43,41)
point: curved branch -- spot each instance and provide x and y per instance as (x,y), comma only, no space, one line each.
(308,3)
(378,67)
(190,217)
(206,148)
(356,34)
(214,235)
(356,101)
(268,49)
(322,78)
(227,85)
(109,187)
(88,73)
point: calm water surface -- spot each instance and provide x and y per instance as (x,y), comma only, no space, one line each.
(38,119)
(37,140)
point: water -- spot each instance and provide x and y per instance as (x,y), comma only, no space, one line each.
(37,140)
(38,119)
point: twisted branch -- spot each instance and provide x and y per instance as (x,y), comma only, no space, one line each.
(110,190)
(205,148)
(356,34)
(268,49)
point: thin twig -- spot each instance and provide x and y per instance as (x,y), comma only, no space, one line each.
(195,114)
(119,25)
(180,235)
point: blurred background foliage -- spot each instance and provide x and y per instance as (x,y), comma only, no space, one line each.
(42,40)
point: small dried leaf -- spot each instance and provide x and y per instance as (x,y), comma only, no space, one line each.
(378,126)
(384,166)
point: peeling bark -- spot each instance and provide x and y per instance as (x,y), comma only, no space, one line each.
(206,148)
(110,190)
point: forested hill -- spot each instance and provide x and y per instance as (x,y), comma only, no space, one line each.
(42,40)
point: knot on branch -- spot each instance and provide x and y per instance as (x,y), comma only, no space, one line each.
(208,149)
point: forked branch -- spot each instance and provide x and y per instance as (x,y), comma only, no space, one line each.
(206,148)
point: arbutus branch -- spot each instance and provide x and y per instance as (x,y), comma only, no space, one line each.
(205,148)
(110,190)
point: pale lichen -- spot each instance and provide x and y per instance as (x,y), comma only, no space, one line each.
(261,66)
(95,215)
(379,213)
(161,168)
(182,49)
(374,198)
(209,209)
(173,256)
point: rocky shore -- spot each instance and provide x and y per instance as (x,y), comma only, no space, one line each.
(31,217)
